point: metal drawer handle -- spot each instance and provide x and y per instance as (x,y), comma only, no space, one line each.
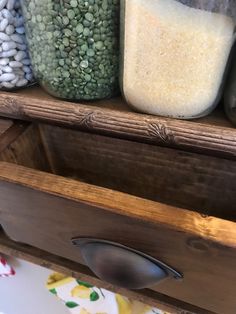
(123,266)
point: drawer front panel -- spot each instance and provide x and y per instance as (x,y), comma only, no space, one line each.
(49,212)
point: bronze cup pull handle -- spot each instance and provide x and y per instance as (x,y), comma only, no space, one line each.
(123,266)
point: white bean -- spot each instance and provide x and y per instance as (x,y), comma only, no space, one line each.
(10,5)
(4,61)
(4,37)
(15,64)
(7,69)
(7,14)
(8,45)
(21,82)
(17,38)
(8,85)
(3,24)
(6,77)
(9,30)
(2,4)
(20,30)
(9,53)
(20,55)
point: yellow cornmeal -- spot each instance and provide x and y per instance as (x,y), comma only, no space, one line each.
(175,57)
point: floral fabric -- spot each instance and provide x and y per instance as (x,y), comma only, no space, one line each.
(82,298)
(5,269)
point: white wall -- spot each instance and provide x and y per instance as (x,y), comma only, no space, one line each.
(25,293)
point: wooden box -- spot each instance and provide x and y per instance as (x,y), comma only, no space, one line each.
(177,206)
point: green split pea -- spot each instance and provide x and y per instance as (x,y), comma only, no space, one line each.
(74,46)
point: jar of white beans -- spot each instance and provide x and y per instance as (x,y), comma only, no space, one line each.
(15,64)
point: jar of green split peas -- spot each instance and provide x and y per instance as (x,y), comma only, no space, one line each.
(74,46)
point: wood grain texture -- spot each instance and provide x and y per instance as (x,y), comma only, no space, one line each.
(212,135)
(173,177)
(9,131)
(75,270)
(5,124)
(207,227)
(47,211)
(9,137)
(27,150)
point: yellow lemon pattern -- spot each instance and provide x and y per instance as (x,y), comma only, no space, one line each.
(81,292)
(82,298)
(124,305)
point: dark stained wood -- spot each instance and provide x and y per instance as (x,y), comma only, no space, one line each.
(5,124)
(46,211)
(10,131)
(79,271)
(27,150)
(213,135)
(11,134)
(173,177)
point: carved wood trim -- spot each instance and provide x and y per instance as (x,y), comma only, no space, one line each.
(114,118)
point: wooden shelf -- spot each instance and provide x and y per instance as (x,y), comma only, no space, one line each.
(213,135)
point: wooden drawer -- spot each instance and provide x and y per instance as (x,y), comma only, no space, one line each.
(179,207)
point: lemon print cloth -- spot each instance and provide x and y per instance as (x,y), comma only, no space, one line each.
(82,298)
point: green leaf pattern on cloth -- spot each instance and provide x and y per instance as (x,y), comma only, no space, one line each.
(71,304)
(94,296)
(83,298)
(85,284)
(53,291)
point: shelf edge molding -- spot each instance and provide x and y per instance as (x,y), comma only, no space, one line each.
(194,136)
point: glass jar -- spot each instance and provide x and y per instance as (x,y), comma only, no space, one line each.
(175,54)
(74,46)
(15,65)
(230,90)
